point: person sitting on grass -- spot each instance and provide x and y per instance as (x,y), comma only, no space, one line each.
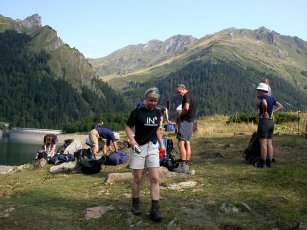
(48,149)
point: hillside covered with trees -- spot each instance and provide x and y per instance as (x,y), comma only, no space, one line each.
(31,96)
(222,88)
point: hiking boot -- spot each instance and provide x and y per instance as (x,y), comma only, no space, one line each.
(260,163)
(185,167)
(136,210)
(180,168)
(155,214)
(268,163)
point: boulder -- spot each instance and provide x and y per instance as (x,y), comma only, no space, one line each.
(113,177)
(96,212)
(63,167)
(39,163)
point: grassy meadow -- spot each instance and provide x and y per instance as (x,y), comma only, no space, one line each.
(269,198)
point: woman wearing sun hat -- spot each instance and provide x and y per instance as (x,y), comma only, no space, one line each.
(265,128)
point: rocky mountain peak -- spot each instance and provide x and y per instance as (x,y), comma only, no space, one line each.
(170,46)
(263,33)
(178,42)
(134,57)
(31,22)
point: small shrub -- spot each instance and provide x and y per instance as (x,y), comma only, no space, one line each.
(242,117)
(251,117)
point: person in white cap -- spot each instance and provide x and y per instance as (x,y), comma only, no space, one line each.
(265,128)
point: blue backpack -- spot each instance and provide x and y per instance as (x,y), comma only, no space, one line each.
(116,158)
(169,127)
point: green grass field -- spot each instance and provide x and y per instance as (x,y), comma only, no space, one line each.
(274,198)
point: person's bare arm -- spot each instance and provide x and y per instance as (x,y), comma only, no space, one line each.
(278,106)
(130,136)
(185,109)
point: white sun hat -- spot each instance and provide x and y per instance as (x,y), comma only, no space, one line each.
(263,87)
(117,136)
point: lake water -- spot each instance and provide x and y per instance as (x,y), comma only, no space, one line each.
(17,152)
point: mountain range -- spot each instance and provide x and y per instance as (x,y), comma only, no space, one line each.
(220,69)
(233,59)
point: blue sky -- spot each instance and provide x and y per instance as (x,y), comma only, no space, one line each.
(99,27)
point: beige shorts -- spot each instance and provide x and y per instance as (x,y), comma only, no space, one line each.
(148,158)
(94,138)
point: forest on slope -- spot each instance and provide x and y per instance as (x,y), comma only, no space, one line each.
(31,96)
(221,88)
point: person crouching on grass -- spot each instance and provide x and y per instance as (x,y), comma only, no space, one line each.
(265,127)
(144,142)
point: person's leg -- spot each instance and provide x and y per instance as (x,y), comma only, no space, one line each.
(269,148)
(269,153)
(187,136)
(264,151)
(262,133)
(185,166)
(136,186)
(137,179)
(264,148)
(94,149)
(183,156)
(94,137)
(154,175)
(188,150)
(104,148)
(182,149)
(270,144)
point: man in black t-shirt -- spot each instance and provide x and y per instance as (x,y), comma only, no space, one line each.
(185,123)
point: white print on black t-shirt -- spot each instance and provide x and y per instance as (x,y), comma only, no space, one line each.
(151,121)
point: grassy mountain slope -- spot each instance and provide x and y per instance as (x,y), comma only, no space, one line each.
(260,49)
(137,57)
(269,198)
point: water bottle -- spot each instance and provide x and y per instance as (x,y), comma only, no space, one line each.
(137,149)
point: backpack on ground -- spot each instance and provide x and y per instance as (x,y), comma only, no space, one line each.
(61,158)
(87,162)
(65,152)
(253,151)
(62,148)
(169,127)
(116,158)
(168,160)
(70,146)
